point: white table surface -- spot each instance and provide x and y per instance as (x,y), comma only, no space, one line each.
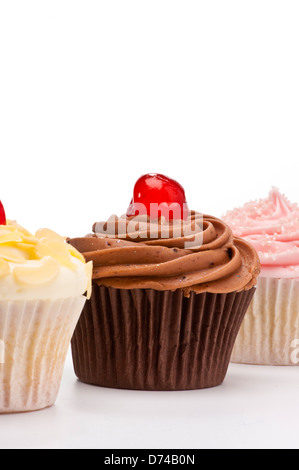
(255,407)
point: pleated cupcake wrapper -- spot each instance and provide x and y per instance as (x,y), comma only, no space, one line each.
(34,338)
(269,334)
(152,340)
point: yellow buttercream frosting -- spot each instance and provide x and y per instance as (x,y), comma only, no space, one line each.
(37,260)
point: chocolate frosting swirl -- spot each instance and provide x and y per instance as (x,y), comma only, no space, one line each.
(200,255)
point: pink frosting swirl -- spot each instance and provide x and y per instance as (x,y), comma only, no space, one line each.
(271,225)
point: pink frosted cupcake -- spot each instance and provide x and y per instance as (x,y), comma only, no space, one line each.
(270,331)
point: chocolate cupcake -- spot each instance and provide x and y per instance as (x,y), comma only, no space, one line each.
(170,290)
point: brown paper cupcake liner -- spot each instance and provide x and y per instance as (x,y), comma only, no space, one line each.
(151,340)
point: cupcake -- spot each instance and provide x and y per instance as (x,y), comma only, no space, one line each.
(43,287)
(270,331)
(170,289)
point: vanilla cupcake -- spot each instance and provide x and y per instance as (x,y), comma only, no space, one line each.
(269,334)
(43,287)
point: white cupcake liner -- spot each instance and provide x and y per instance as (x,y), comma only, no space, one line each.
(34,340)
(269,334)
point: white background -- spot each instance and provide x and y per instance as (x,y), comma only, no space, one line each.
(95,93)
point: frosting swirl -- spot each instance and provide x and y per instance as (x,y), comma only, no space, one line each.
(199,254)
(271,225)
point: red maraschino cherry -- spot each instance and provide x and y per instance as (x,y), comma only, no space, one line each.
(157,195)
(2,215)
